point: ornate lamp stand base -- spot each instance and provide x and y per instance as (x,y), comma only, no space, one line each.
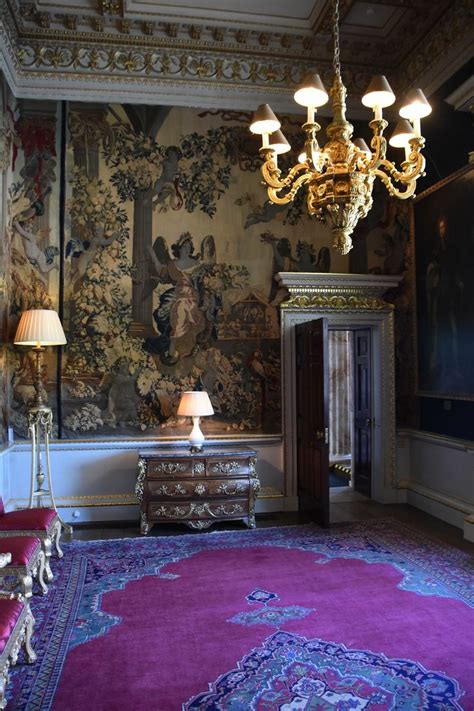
(40,422)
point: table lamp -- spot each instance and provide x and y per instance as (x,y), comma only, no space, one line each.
(195,404)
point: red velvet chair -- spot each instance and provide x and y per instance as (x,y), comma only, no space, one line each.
(40,523)
(28,561)
(16,627)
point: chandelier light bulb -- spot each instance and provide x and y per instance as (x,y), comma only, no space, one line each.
(402,134)
(278,143)
(311,92)
(379,93)
(415,105)
(264,120)
(302,157)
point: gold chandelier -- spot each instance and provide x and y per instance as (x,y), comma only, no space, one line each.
(340,175)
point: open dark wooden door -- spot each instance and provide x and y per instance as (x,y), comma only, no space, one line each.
(312,419)
(362,454)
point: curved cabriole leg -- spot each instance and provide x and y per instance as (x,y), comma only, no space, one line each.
(56,538)
(47,556)
(42,573)
(29,651)
(27,586)
(250,521)
(144,525)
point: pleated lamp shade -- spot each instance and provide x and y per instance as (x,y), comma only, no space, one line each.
(39,327)
(195,404)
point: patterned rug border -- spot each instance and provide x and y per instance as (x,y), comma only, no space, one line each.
(429,567)
(396,523)
(458,588)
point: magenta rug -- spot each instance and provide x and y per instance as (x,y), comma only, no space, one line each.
(362,617)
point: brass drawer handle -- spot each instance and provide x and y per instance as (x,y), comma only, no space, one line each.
(225,467)
(231,489)
(169,467)
(178,490)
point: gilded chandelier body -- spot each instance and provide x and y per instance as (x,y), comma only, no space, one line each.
(339,176)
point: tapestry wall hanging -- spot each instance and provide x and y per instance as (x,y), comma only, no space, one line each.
(146,229)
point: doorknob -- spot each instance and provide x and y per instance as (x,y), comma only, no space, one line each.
(368,422)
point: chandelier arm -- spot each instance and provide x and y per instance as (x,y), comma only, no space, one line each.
(271,174)
(379,146)
(392,190)
(412,168)
(290,195)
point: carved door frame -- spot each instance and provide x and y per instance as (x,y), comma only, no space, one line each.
(348,301)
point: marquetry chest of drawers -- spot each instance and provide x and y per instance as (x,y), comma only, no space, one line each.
(216,484)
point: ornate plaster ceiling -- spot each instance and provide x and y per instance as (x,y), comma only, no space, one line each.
(220,53)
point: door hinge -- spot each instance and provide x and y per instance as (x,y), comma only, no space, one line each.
(323,435)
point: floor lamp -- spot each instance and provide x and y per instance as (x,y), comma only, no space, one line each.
(39,328)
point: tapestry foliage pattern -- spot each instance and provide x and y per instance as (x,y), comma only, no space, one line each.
(147,228)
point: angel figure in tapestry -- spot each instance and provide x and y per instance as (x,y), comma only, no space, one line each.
(185,312)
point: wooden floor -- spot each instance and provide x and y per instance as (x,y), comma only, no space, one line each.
(345,506)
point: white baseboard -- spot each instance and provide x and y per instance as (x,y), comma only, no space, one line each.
(433,506)
(469,528)
(437,473)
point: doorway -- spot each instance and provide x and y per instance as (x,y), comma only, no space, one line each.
(350,409)
(333,414)
(341,408)
(349,302)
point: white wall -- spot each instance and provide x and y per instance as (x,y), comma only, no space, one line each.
(437,473)
(5,453)
(94,481)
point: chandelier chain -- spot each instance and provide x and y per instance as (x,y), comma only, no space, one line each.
(335,29)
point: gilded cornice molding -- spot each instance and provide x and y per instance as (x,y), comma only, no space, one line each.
(341,292)
(102,52)
(453,33)
(335,301)
(199,72)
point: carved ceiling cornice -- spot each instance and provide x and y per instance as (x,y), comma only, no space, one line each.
(103,52)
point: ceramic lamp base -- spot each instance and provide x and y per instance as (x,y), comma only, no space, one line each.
(196,438)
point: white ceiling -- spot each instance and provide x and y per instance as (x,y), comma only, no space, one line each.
(264,15)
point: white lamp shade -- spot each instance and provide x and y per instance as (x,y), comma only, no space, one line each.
(415,105)
(311,92)
(40,327)
(402,134)
(379,93)
(264,120)
(195,404)
(362,145)
(278,143)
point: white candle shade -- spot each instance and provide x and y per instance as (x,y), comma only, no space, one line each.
(40,327)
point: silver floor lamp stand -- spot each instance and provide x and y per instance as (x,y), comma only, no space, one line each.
(40,424)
